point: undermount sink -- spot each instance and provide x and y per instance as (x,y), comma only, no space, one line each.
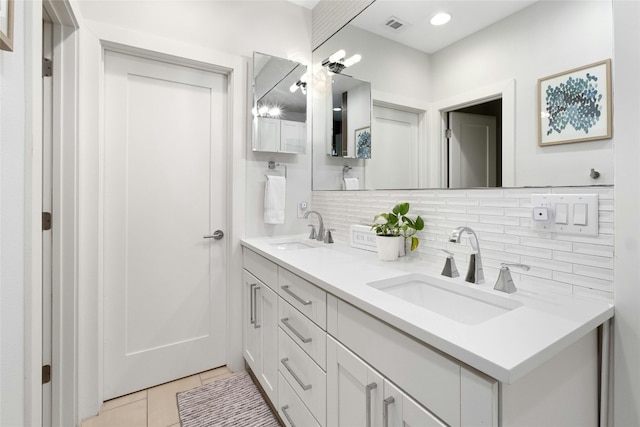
(458,302)
(292,246)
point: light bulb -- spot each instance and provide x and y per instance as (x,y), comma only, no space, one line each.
(263,110)
(337,56)
(293,88)
(352,60)
(275,112)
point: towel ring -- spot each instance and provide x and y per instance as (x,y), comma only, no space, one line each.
(273,165)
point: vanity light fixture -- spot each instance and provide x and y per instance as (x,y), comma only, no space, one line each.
(302,84)
(266,110)
(440,18)
(336,62)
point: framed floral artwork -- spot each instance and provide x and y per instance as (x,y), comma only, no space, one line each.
(575,105)
(363,143)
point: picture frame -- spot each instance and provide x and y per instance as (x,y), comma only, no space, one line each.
(6,25)
(575,105)
(362,138)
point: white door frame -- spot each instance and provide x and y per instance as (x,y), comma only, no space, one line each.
(438,126)
(65,96)
(89,321)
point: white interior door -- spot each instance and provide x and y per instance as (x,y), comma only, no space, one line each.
(472,151)
(394,150)
(164,183)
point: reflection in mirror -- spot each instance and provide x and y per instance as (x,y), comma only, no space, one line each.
(280,104)
(351,111)
(490,52)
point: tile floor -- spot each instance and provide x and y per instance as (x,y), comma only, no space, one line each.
(154,407)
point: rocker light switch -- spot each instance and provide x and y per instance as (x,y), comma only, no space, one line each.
(580,214)
(561,213)
(565,213)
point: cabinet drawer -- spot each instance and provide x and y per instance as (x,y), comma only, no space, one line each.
(303,332)
(425,374)
(305,377)
(309,299)
(260,267)
(291,409)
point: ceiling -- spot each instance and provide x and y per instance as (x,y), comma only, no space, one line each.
(467,18)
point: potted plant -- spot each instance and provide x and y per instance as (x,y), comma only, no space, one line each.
(393,228)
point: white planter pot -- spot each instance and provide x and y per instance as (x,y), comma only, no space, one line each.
(388,247)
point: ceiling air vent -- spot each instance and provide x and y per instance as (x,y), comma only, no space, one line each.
(395,24)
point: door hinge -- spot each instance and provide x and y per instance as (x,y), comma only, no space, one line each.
(46,374)
(46,221)
(447,133)
(47,67)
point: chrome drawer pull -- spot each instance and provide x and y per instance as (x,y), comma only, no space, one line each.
(255,307)
(285,321)
(297,298)
(368,388)
(252,302)
(385,410)
(284,411)
(304,386)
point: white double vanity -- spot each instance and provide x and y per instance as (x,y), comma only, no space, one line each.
(337,338)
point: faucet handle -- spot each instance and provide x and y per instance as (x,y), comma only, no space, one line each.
(449,269)
(312,235)
(328,238)
(505,281)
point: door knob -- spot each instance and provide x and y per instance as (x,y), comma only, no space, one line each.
(218,234)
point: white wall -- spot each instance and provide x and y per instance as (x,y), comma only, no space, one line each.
(538,44)
(220,33)
(626,69)
(12,226)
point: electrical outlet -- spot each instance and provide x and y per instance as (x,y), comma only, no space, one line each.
(302,209)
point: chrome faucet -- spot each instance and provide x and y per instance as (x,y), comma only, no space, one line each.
(505,282)
(474,273)
(320,234)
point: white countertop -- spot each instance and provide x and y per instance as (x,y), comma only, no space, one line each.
(506,347)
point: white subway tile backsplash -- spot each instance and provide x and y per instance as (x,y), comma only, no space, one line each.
(582,265)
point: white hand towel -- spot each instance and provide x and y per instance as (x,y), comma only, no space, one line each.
(351,183)
(274,198)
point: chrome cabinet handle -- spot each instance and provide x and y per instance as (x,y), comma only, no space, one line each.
(252,303)
(217,235)
(368,389)
(284,411)
(385,410)
(285,321)
(297,298)
(255,307)
(304,386)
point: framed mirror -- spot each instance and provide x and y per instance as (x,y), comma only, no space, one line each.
(279,105)
(486,61)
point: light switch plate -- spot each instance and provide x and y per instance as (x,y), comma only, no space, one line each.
(568,202)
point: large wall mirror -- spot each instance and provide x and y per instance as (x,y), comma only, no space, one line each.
(279,104)
(431,86)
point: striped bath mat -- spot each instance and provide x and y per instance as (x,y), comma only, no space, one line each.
(234,401)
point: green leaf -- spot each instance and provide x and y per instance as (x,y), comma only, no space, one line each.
(414,243)
(419,224)
(401,208)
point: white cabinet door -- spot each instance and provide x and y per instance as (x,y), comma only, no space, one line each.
(260,342)
(399,410)
(293,136)
(354,390)
(267,324)
(251,338)
(267,136)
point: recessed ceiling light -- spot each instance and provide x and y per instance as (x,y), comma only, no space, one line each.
(440,18)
